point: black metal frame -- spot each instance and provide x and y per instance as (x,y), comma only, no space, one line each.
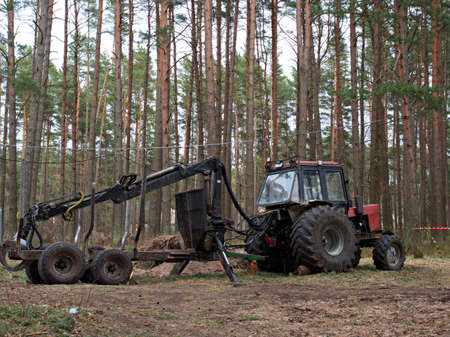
(127,188)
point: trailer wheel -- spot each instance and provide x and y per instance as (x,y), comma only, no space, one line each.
(389,252)
(32,270)
(324,240)
(111,267)
(33,273)
(61,263)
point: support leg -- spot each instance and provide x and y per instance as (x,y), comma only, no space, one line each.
(227,267)
(179,267)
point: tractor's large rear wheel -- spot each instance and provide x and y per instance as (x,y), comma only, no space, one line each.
(324,240)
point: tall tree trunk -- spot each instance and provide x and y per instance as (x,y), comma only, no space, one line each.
(117,208)
(437,197)
(409,160)
(422,128)
(250,103)
(91,162)
(218,91)
(144,121)
(130,81)
(43,57)
(355,129)
(337,101)
(64,106)
(212,148)
(39,77)
(274,107)
(199,84)
(379,159)
(164,43)
(11,102)
(175,90)
(4,163)
(362,145)
(302,86)
(229,93)
(76,110)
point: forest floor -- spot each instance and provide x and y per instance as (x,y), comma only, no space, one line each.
(363,302)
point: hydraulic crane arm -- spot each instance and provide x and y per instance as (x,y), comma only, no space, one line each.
(128,188)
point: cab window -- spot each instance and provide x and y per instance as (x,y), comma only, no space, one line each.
(335,189)
(311,183)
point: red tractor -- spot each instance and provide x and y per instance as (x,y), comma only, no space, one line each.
(308,219)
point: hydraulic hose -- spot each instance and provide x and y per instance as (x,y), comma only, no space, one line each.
(233,198)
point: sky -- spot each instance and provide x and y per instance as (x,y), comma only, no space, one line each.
(24,26)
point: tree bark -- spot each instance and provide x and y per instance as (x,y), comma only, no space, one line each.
(302,85)
(64,106)
(437,197)
(409,160)
(117,208)
(362,145)
(379,160)
(199,83)
(91,162)
(4,164)
(229,93)
(355,127)
(218,91)
(11,102)
(337,101)
(250,103)
(274,106)
(212,148)
(130,81)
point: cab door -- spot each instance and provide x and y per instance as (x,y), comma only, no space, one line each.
(333,185)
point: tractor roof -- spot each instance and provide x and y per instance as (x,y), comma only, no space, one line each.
(283,164)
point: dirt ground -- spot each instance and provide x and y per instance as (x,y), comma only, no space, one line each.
(364,302)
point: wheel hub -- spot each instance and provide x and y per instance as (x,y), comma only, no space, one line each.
(333,241)
(392,255)
(112,269)
(62,265)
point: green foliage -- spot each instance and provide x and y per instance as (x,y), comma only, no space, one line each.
(29,318)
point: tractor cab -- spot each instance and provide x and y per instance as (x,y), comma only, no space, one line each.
(299,182)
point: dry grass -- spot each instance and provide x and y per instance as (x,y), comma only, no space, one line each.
(362,302)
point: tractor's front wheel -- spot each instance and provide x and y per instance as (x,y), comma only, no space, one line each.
(389,252)
(324,240)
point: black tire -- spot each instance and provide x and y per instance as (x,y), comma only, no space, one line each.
(32,272)
(389,252)
(276,261)
(355,261)
(111,267)
(324,240)
(61,263)
(88,276)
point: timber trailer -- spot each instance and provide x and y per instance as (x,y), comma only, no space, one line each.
(198,218)
(308,220)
